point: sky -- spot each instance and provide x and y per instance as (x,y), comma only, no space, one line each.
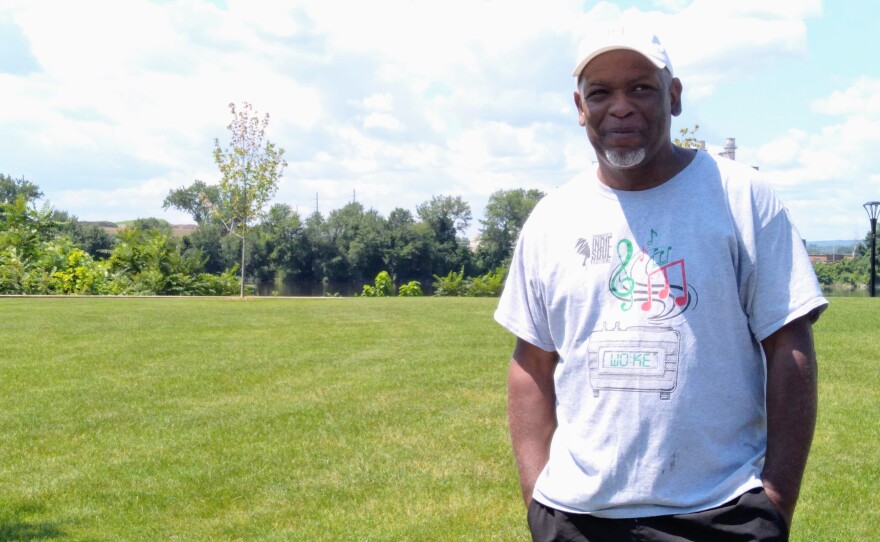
(107,105)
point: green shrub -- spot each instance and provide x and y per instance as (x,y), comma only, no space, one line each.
(488,285)
(384,286)
(412,289)
(55,266)
(451,285)
(226,283)
(455,284)
(80,274)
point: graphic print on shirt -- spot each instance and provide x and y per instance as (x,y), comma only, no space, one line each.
(636,359)
(651,281)
(596,252)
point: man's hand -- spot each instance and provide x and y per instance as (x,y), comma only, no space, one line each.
(791,411)
(531,411)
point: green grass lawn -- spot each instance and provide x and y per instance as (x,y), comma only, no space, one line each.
(322,419)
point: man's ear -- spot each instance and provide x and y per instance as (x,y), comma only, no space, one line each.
(582,115)
(675,96)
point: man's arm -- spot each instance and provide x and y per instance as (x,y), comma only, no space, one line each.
(791,411)
(531,411)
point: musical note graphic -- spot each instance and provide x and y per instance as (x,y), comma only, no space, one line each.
(680,300)
(634,280)
(660,257)
(622,285)
(653,235)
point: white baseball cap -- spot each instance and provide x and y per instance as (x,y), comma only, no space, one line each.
(645,43)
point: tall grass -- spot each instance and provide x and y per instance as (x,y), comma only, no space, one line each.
(323,419)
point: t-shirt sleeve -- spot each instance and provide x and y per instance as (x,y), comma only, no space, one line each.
(785,286)
(521,309)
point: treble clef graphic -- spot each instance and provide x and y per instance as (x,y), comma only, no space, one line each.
(626,282)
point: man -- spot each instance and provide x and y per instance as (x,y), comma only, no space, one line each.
(653,306)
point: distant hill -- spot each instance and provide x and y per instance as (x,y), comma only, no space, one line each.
(177,230)
(844,246)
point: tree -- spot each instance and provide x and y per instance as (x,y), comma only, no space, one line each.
(825,273)
(688,138)
(863,262)
(250,168)
(280,254)
(446,217)
(150,224)
(24,229)
(407,247)
(365,252)
(321,250)
(198,200)
(91,238)
(208,239)
(11,188)
(506,212)
(357,236)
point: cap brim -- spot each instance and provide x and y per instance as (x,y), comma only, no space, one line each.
(589,58)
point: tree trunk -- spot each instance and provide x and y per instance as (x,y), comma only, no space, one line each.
(242,267)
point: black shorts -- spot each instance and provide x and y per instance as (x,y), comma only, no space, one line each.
(751,517)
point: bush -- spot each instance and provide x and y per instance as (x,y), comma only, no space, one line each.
(226,283)
(451,285)
(80,274)
(411,289)
(454,284)
(488,285)
(151,263)
(55,267)
(384,286)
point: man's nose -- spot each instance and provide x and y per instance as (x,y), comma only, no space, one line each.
(620,105)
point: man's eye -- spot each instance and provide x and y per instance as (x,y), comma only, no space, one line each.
(598,93)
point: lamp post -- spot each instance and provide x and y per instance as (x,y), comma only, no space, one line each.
(873,209)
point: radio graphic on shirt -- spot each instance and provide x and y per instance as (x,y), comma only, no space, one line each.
(639,358)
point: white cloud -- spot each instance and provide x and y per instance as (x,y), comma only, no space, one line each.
(379,102)
(119,204)
(783,151)
(93,39)
(713,42)
(394,100)
(435,40)
(269,16)
(861,99)
(828,174)
(383,121)
(113,85)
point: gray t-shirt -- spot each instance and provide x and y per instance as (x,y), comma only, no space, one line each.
(656,301)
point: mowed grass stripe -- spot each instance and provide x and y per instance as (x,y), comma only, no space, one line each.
(840,500)
(321,419)
(267,419)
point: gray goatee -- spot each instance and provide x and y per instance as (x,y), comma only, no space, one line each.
(625,159)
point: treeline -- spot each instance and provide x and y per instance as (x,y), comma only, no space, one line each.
(353,244)
(851,272)
(46,251)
